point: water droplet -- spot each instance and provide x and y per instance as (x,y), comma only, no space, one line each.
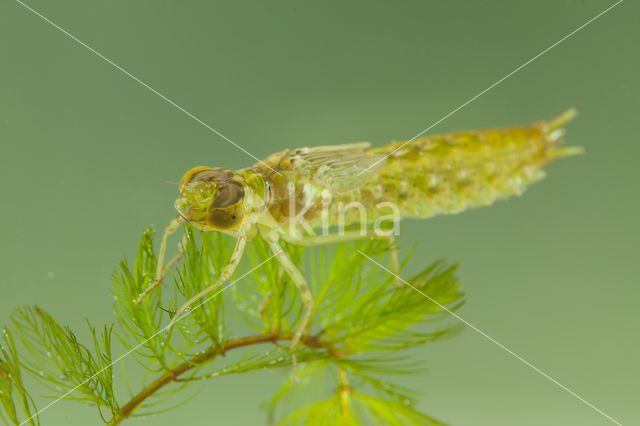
(51,274)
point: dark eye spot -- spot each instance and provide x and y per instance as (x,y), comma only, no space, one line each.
(230,193)
(224,218)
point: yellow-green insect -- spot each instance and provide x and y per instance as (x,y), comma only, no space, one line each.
(294,193)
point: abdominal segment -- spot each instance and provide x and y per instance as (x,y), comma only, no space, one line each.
(449,173)
(441,174)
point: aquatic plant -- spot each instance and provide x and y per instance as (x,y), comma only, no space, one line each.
(341,372)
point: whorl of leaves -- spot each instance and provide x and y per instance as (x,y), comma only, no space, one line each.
(360,329)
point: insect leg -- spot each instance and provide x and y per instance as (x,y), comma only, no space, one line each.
(175,259)
(294,364)
(225,274)
(305,292)
(161,270)
(393,257)
(358,235)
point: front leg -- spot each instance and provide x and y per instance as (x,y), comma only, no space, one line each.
(227,271)
(161,270)
(305,292)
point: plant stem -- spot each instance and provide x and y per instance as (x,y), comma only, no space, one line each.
(169,376)
(344,390)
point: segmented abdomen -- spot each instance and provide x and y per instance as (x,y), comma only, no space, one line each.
(449,173)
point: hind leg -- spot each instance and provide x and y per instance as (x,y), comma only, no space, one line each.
(318,240)
(305,292)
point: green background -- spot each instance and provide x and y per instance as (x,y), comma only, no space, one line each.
(86,152)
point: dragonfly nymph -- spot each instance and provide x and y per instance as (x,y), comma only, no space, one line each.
(292,193)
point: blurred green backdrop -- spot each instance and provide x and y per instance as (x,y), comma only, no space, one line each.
(86,152)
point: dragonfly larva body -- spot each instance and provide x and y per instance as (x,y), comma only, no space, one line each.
(292,193)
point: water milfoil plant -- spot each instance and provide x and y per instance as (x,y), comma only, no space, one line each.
(341,372)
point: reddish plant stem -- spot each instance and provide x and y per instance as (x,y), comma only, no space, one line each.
(127,410)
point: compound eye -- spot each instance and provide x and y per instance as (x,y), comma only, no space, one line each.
(225,218)
(230,193)
(191,175)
